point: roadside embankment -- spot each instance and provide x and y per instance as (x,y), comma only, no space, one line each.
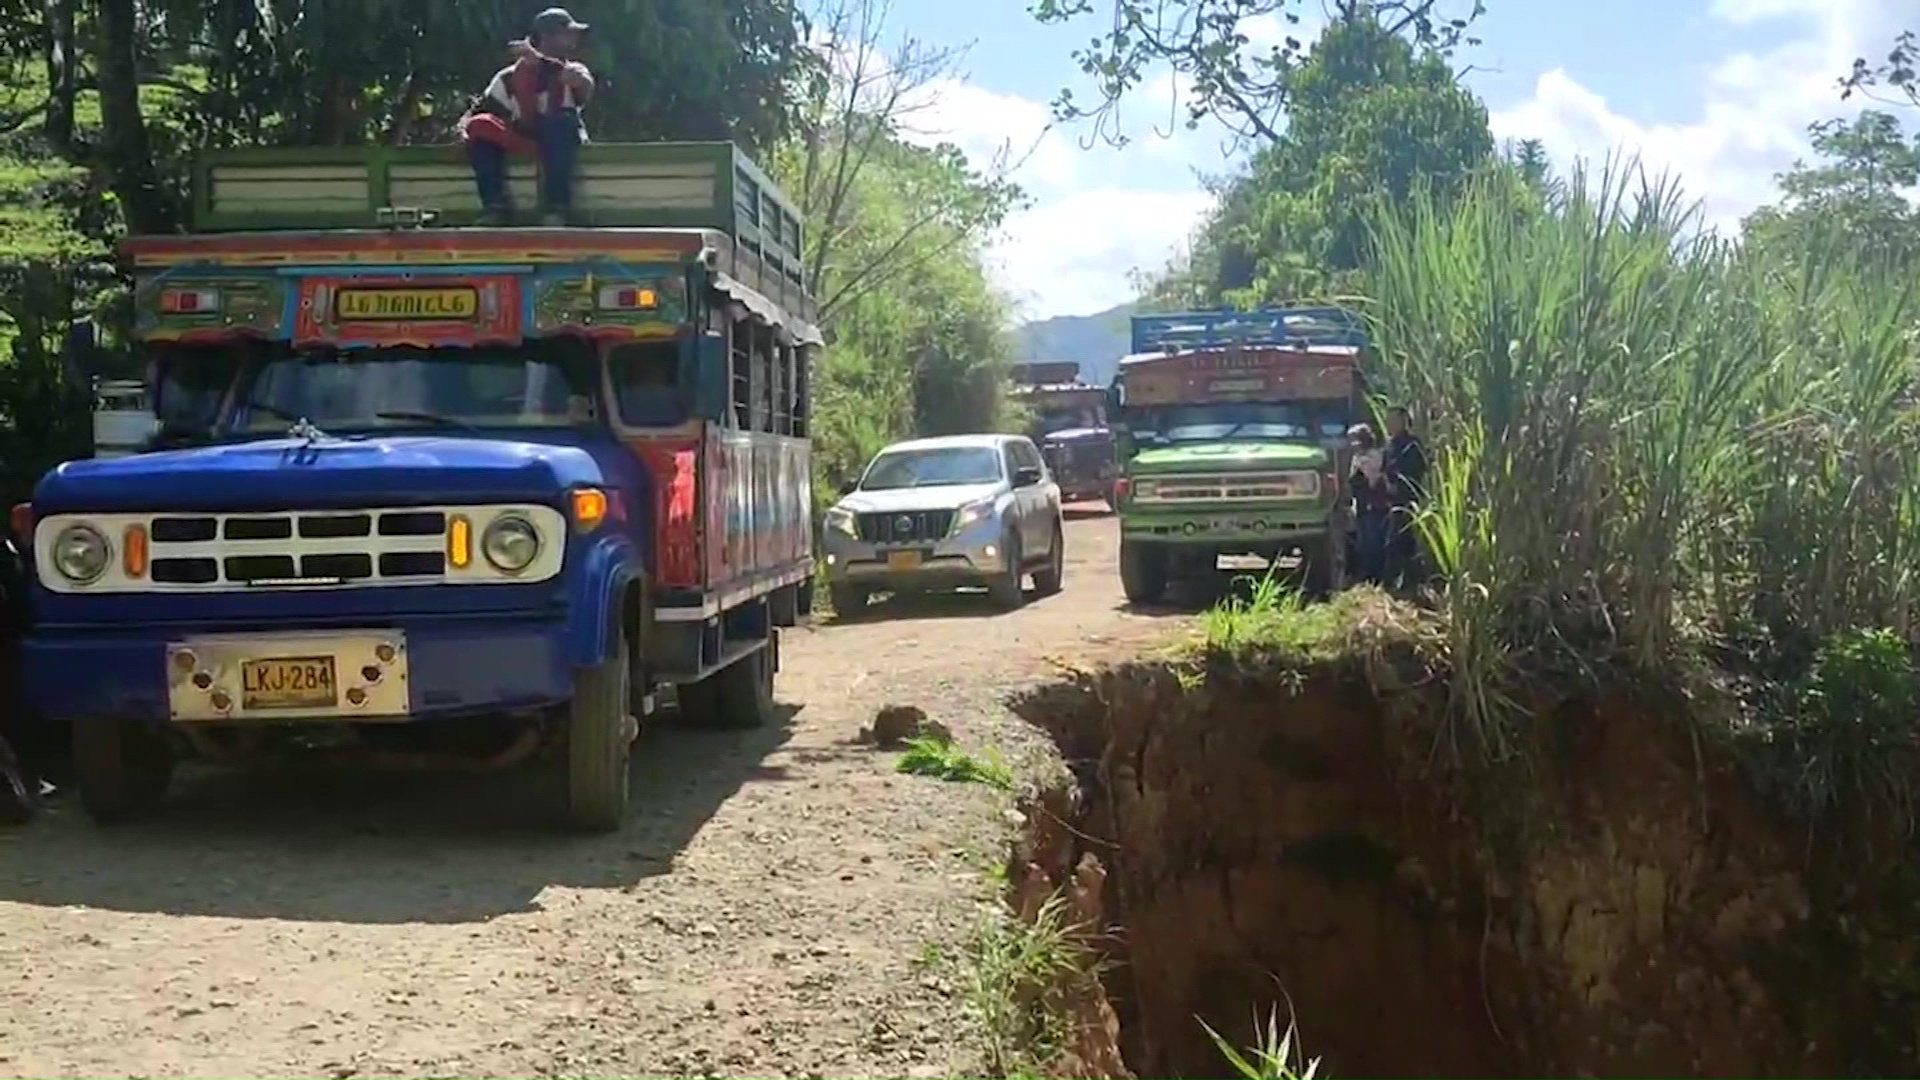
(1290,833)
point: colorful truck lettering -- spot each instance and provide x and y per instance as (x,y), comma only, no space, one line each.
(1232,428)
(437,494)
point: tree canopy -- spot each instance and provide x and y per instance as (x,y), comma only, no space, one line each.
(1371,115)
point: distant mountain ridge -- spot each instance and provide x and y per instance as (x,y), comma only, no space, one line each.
(1096,342)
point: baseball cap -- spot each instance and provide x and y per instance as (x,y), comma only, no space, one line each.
(555,19)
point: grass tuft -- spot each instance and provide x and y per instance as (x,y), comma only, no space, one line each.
(942,760)
(1274,1058)
(1014,978)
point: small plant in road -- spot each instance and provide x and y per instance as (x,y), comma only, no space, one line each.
(938,758)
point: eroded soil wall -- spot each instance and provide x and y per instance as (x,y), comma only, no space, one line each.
(1286,839)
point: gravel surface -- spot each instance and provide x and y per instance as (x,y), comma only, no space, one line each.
(763,914)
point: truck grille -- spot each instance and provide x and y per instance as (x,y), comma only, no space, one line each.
(299,548)
(1296,484)
(913,526)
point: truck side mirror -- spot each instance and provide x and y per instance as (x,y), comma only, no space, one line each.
(711,387)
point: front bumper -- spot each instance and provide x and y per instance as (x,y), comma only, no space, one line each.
(1256,526)
(450,666)
(968,558)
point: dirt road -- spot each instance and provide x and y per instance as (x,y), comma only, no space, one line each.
(762,915)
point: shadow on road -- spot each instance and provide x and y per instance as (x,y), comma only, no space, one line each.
(356,847)
(1085,511)
(899,607)
(1184,598)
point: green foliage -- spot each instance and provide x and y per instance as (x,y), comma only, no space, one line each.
(1840,738)
(1371,116)
(896,240)
(1856,190)
(1274,1057)
(1247,86)
(942,760)
(1015,976)
(1638,423)
(1898,72)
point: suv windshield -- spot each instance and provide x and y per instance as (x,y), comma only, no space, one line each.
(896,469)
(380,389)
(1240,420)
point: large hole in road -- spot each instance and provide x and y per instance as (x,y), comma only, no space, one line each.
(1241,844)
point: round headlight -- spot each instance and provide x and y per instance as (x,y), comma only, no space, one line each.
(510,544)
(81,554)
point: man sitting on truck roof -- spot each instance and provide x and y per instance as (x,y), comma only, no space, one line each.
(532,108)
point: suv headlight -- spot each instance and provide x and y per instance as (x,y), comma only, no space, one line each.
(840,520)
(510,544)
(972,514)
(81,554)
(1146,489)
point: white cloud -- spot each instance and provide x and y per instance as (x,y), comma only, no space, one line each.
(1094,215)
(1754,111)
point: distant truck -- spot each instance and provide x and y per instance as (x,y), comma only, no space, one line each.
(437,495)
(1069,425)
(1232,434)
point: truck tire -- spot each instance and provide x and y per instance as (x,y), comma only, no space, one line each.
(1053,577)
(123,768)
(1143,571)
(1005,590)
(737,697)
(599,742)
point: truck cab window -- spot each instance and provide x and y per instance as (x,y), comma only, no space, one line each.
(646,383)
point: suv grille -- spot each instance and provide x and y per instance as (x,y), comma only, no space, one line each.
(914,526)
(317,547)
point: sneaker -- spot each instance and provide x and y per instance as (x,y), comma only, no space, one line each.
(553,219)
(496,217)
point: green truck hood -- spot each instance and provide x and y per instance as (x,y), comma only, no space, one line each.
(1227,457)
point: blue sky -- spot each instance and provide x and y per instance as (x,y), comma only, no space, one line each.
(1718,91)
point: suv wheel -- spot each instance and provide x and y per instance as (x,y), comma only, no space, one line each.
(1053,578)
(1005,588)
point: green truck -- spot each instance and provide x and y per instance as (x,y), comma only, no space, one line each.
(1231,429)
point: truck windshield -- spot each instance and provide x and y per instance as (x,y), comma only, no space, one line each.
(378,389)
(1062,418)
(1239,420)
(932,467)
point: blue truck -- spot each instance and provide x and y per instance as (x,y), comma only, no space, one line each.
(433,494)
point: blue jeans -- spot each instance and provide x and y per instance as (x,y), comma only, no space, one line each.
(559,136)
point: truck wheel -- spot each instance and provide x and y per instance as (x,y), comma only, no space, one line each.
(849,601)
(1053,578)
(599,741)
(1143,571)
(122,767)
(1004,590)
(737,696)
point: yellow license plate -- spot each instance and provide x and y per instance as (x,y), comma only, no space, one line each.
(290,682)
(404,305)
(903,560)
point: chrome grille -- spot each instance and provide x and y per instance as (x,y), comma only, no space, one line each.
(319,547)
(908,527)
(1293,484)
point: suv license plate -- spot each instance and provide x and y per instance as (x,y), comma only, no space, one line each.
(903,560)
